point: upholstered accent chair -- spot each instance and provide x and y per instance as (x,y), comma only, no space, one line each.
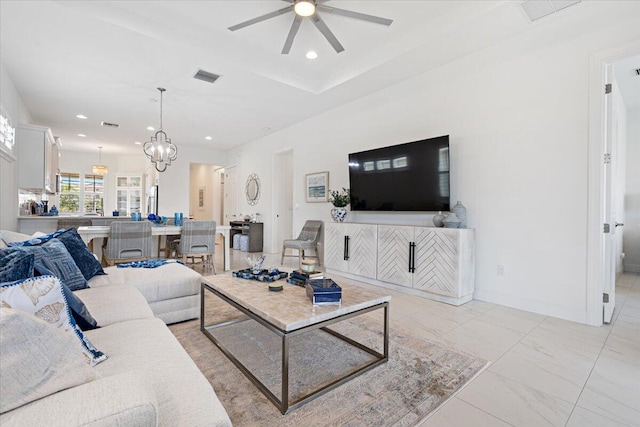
(198,240)
(128,241)
(308,239)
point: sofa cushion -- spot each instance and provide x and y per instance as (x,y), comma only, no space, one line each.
(121,400)
(54,255)
(15,265)
(84,259)
(112,304)
(169,281)
(184,395)
(36,360)
(79,311)
(43,297)
(11,236)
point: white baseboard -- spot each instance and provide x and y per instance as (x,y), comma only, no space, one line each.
(632,268)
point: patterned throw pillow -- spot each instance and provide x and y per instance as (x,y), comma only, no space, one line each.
(54,255)
(84,259)
(79,311)
(43,297)
(36,360)
(15,265)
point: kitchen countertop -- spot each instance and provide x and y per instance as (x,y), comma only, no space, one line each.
(72,216)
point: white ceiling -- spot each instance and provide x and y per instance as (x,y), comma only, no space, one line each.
(106,59)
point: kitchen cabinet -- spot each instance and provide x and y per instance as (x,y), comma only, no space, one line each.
(351,248)
(128,194)
(37,159)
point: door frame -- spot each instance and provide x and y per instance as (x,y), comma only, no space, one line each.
(596,170)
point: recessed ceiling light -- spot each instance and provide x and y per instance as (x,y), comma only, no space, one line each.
(208,138)
(311,55)
(81,116)
(138,143)
(150,128)
(82,135)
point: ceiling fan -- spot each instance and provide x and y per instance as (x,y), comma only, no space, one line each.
(311,8)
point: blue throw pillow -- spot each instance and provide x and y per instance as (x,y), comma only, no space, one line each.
(55,257)
(15,265)
(37,240)
(84,259)
(79,311)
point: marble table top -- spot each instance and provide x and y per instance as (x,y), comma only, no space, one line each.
(291,308)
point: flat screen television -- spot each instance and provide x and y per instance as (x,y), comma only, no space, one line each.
(405,177)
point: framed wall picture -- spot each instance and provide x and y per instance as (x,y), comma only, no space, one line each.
(317,187)
(201,198)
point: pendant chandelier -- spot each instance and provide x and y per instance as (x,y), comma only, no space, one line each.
(160,150)
(100,169)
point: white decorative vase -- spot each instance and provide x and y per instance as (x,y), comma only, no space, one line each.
(437,219)
(451,221)
(461,213)
(339,214)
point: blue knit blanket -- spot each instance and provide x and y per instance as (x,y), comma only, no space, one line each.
(151,263)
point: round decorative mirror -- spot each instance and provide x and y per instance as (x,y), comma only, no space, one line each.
(252,189)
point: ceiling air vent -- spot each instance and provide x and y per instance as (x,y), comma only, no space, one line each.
(112,125)
(206,76)
(537,9)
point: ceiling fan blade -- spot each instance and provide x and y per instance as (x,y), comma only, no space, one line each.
(326,32)
(292,34)
(261,18)
(355,15)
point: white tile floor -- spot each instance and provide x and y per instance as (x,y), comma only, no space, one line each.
(544,372)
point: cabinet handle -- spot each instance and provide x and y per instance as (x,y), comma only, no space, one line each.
(346,248)
(412,257)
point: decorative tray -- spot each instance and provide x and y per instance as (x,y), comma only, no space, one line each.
(263,276)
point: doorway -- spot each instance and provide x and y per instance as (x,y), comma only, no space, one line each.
(607,160)
(283,198)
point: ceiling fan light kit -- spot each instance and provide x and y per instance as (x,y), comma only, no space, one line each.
(311,9)
(304,7)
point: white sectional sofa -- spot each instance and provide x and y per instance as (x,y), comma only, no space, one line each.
(148,379)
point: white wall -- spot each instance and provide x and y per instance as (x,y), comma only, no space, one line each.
(14,109)
(632,195)
(517,114)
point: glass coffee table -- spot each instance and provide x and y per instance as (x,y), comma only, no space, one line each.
(289,314)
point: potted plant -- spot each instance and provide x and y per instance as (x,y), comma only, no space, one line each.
(339,199)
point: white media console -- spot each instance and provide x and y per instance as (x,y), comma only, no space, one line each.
(435,263)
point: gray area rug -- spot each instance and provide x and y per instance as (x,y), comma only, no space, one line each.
(419,376)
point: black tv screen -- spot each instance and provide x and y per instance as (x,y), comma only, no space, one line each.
(406,177)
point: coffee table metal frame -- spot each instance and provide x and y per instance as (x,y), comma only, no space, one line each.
(284,405)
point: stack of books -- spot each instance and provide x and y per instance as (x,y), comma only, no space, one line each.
(323,291)
(299,277)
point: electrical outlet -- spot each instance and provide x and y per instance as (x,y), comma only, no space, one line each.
(501,270)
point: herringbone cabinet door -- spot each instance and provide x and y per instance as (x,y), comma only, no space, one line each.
(393,254)
(363,249)
(436,260)
(334,246)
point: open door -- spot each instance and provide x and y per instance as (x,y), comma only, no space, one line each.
(609,227)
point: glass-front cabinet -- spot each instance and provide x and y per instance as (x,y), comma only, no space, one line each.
(129,194)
